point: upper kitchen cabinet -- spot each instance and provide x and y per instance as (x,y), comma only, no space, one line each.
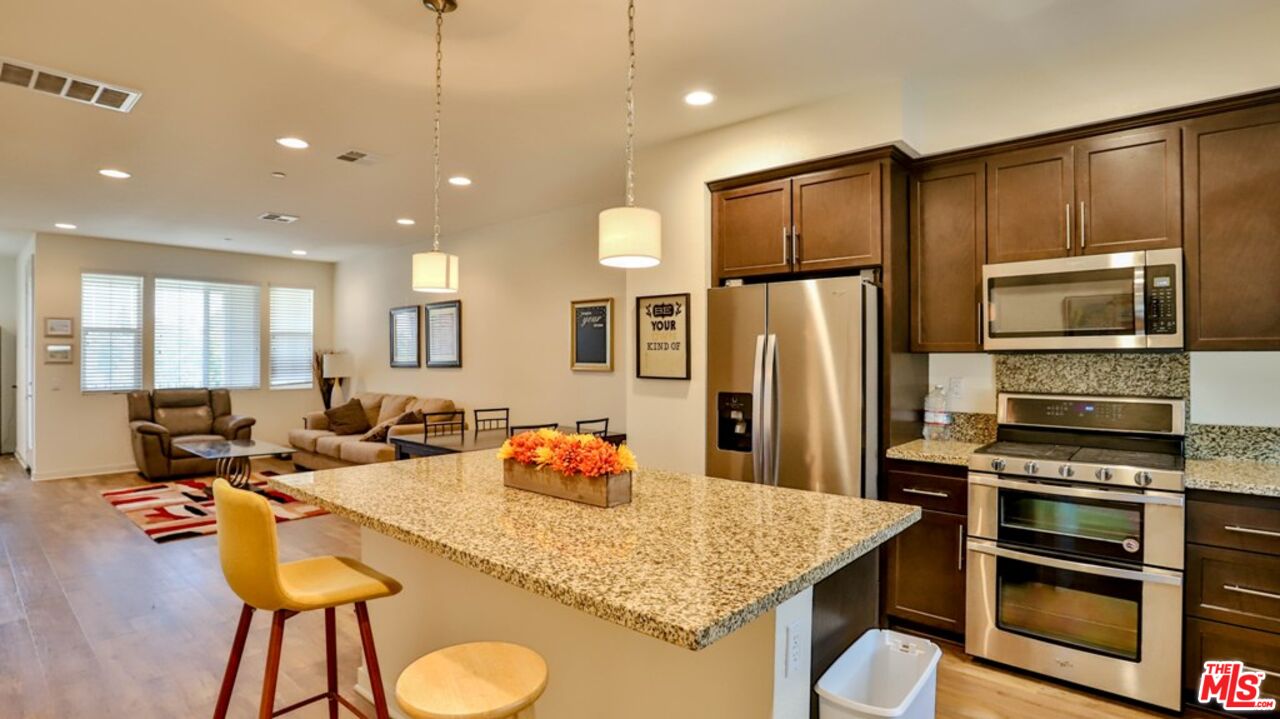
(1030,199)
(1128,191)
(751,229)
(948,249)
(1232,206)
(836,218)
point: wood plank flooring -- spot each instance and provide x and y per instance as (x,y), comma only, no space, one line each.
(98,621)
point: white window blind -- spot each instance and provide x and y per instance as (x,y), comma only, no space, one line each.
(206,335)
(291,342)
(110,333)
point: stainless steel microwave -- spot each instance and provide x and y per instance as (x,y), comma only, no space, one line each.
(1125,300)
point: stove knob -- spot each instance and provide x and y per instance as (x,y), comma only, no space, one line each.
(1142,479)
(997,464)
(1031,467)
(1066,471)
(1103,474)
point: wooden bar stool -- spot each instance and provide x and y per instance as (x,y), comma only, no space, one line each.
(249,552)
(481,680)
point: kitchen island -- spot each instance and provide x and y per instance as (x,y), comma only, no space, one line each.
(695,600)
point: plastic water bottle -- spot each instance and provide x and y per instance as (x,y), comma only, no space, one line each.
(937,420)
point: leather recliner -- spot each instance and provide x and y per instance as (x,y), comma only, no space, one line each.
(158,418)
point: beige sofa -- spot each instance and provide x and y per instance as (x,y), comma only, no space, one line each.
(318,448)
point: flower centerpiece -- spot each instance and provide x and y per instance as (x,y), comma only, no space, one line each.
(580,467)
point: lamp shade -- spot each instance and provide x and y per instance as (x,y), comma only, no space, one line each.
(630,237)
(435,272)
(337,365)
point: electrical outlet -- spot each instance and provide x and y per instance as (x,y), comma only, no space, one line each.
(955,385)
(795,648)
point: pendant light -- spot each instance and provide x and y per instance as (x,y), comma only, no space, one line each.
(630,236)
(437,271)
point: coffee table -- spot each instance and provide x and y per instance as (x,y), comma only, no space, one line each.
(231,457)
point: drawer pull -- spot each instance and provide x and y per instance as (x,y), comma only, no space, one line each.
(1273,675)
(926,492)
(1250,530)
(1251,592)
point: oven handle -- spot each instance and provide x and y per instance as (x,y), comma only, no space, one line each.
(1157,576)
(1168,499)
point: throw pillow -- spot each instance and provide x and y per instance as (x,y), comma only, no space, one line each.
(382,429)
(348,418)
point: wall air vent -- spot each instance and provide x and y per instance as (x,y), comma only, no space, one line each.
(279,217)
(68,86)
(358,157)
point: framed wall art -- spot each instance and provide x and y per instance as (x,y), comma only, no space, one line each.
(443,324)
(406,346)
(591,335)
(59,327)
(662,336)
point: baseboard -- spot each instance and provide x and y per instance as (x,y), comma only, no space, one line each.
(85,472)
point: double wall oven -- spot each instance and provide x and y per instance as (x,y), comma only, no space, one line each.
(1075,546)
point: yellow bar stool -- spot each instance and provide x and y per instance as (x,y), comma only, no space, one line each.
(249,552)
(481,680)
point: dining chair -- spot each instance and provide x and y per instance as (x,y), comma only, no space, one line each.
(492,418)
(436,424)
(598,427)
(515,429)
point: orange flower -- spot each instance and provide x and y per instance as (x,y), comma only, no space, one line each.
(582,454)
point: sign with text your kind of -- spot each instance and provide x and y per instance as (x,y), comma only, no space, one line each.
(662,336)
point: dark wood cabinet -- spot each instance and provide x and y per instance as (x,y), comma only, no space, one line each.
(1030,203)
(751,229)
(1129,191)
(948,249)
(1232,205)
(924,567)
(837,218)
(1211,641)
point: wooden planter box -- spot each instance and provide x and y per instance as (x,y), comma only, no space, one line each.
(610,491)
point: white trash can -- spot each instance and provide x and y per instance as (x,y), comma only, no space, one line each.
(884,674)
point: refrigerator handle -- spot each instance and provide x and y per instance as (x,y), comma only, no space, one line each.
(757,414)
(772,414)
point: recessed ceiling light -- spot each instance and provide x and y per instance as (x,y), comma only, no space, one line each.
(279,175)
(114,174)
(459,181)
(699,97)
(405,221)
(300,253)
(64,225)
(293,143)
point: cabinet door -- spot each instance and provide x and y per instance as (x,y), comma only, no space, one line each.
(837,218)
(1231,168)
(1129,191)
(1211,641)
(751,229)
(948,249)
(1030,198)
(925,582)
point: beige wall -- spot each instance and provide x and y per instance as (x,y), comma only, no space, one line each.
(79,433)
(8,351)
(517,280)
(22,430)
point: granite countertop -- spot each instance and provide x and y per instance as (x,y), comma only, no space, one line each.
(1239,476)
(689,561)
(934,450)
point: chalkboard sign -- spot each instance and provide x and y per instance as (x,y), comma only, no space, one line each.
(591,335)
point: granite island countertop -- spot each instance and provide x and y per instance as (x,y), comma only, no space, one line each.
(689,561)
(1237,476)
(938,451)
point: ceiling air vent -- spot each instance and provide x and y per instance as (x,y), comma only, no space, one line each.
(358,157)
(68,86)
(280,217)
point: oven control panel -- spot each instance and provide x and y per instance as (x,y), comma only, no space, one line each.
(1113,414)
(1162,300)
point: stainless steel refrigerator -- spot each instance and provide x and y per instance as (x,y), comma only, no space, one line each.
(792,379)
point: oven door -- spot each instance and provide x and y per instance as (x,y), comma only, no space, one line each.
(1113,629)
(1141,527)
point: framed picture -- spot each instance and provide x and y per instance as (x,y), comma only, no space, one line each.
(444,333)
(662,336)
(406,347)
(59,327)
(58,354)
(591,335)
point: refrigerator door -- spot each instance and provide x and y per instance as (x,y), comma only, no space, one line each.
(735,346)
(818,384)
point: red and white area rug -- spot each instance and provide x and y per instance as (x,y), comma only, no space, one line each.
(184,508)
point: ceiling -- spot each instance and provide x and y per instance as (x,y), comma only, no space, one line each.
(533,100)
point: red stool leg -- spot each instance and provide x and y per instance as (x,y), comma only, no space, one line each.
(331,659)
(233,663)
(371,662)
(267,708)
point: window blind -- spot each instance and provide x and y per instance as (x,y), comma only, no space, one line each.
(206,335)
(110,333)
(291,311)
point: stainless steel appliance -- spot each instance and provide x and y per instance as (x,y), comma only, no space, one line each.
(1075,547)
(792,384)
(1126,300)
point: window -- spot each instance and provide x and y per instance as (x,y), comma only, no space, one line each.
(207,335)
(291,346)
(110,333)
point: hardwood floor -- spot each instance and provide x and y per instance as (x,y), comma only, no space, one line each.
(98,621)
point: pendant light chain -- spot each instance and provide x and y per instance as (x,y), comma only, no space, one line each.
(631,104)
(435,246)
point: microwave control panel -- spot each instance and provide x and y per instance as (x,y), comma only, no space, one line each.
(1162,300)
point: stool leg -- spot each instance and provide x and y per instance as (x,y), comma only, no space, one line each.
(331,659)
(371,662)
(233,663)
(267,707)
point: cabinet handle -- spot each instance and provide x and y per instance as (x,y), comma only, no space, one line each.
(926,492)
(1251,592)
(1083,226)
(980,335)
(795,246)
(1250,530)
(786,257)
(960,553)
(1068,213)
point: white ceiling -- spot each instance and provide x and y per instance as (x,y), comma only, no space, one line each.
(533,99)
